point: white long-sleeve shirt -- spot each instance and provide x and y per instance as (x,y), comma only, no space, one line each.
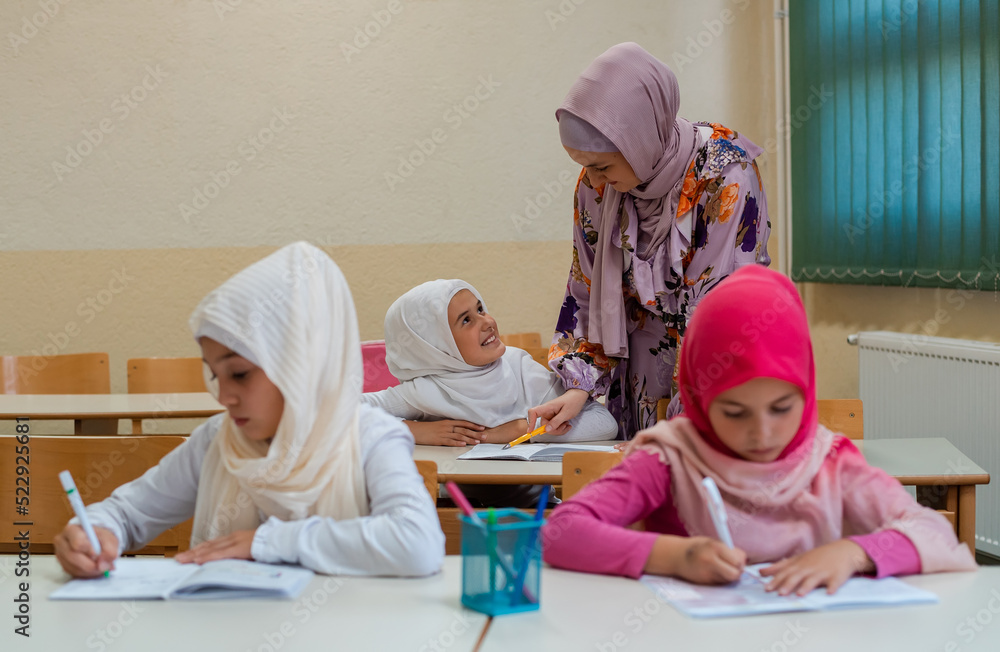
(593,423)
(401,536)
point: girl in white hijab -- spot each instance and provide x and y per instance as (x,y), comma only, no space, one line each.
(296,470)
(459,383)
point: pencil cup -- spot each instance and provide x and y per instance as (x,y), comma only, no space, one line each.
(502,562)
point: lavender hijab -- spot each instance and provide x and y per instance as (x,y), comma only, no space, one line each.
(631,98)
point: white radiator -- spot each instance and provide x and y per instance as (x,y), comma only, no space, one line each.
(919,386)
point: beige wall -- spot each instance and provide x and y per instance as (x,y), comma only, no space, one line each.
(302,123)
(120,121)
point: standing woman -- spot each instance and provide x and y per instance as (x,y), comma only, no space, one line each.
(664,209)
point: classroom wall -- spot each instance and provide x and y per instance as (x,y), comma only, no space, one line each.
(153,149)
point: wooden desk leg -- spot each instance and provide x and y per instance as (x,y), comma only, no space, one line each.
(967,516)
(77,426)
(136,426)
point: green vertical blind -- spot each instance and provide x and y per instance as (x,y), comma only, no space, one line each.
(895,131)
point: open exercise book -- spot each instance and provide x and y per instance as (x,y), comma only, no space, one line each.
(747,597)
(153,579)
(528,452)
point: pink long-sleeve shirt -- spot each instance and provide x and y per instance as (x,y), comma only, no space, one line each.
(589,532)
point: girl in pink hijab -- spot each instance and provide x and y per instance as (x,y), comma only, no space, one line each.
(795,493)
(664,209)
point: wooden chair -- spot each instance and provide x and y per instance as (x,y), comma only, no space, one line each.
(163,376)
(98,466)
(583,467)
(75,373)
(530,342)
(448,516)
(842,415)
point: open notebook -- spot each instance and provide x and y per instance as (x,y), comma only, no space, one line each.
(747,596)
(153,579)
(528,452)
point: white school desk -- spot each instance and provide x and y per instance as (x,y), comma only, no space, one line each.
(612,614)
(919,462)
(81,407)
(333,613)
(930,462)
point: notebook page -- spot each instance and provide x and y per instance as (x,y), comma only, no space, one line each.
(240,578)
(132,579)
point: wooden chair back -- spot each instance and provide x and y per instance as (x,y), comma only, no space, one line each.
(428,470)
(661,409)
(98,466)
(165,376)
(580,468)
(530,342)
(522,340)
(76,373)
(842,415)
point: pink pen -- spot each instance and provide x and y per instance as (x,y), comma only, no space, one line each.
(463,503)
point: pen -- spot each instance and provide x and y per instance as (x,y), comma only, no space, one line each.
(529,550)
(77,503)
(717,511)
(525,437)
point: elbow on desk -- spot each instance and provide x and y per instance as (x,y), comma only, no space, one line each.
(420,549)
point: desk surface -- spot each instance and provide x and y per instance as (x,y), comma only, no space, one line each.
(333,613)
(590,612)
(108,406)
(922,461)
(579,612)
(489,471)
(913,461)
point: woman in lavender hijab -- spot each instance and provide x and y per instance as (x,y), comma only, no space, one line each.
(664,209)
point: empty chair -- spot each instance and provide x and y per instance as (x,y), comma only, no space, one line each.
(74,373)
(164,376)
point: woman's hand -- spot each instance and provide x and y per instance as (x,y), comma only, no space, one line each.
(447,432)
(700,560)
(232,546)
(829,565)
(556,413)
(77,556)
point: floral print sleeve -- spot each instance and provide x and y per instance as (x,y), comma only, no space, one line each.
(579,363)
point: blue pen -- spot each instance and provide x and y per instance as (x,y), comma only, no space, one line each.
(529,551)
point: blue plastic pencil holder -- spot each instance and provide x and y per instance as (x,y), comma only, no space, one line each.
(502,563)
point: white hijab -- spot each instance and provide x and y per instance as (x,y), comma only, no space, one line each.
(292,315)
(421,352)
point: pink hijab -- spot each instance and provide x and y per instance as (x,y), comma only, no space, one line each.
(631,97)
(753,325)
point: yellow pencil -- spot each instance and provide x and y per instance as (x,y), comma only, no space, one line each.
(523,438)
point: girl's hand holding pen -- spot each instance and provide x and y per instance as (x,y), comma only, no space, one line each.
(556,413)
(77,556)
